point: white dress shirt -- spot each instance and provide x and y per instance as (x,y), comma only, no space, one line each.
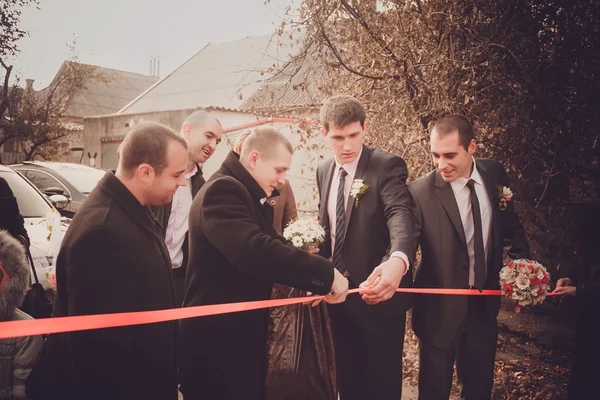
(177,226)
(463,200)
(350,168)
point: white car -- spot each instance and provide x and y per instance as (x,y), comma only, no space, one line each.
(43,223)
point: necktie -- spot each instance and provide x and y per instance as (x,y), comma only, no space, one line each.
(340,224)
(478,236)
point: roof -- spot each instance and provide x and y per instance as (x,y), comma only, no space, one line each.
(219,75)
(300,84)
(108,94)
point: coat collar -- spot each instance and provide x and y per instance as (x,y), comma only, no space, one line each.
(360,172)
(113,187)
(232,167)
(445,194)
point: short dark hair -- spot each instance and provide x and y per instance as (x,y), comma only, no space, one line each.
(341,110)
(147,143)
(455,123)
(265,141)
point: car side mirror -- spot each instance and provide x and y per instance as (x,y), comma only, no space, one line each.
(53,190)
(59,201)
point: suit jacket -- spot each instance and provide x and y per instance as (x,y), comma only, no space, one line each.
(284,207)
(112,259)
(235,256)
(380,225)
(445,261)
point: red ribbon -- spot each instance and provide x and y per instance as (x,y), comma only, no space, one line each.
(11,329)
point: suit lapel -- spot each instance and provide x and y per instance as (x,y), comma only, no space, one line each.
(490,187)
(328,170)
(446,196)
(360,172)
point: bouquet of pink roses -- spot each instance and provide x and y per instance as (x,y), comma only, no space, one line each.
(524,281)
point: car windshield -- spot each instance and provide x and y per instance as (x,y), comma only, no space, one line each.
(83,178)
(31,203)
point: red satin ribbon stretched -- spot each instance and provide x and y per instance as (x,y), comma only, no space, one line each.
(86,322)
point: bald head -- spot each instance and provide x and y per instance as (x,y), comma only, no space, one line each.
(203,132)
(266,141)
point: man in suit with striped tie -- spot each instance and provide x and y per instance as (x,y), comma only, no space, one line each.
(365,208)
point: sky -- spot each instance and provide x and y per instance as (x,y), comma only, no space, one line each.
(124,34)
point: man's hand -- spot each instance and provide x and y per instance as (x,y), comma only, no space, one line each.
(565,291)
(383,281)
(562,282)
(565,287)
(339,290)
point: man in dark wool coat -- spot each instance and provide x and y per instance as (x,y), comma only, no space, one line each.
(235,256)
(113,259)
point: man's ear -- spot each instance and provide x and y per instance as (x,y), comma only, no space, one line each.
(324,132)
(472,147)
(145,173)
(365,126)
(253,158)
(186,129)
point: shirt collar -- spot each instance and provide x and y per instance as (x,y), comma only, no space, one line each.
(192,172)
(262,201)
(459,183)
(351,167)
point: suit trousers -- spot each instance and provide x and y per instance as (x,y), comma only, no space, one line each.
(368,351)
(474,351)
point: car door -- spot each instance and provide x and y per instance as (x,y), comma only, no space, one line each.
(49,185)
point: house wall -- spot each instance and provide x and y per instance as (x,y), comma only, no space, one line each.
(103,134)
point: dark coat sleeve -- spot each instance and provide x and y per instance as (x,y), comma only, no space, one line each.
(228,225)
(100,280)
(397,205)
(513,235)
(10,217)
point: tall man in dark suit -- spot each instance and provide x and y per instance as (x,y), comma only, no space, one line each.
(235,256)
(113,259)
(461,225)
(202,132)
(370,242)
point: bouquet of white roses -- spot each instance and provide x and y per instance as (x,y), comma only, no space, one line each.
(305,233)
(525,281)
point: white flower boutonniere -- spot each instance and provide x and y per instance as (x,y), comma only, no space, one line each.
(357,189)
(504,195)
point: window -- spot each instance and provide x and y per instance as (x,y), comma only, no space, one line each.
(44,181)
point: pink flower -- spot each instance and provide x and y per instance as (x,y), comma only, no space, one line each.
(531,268)
(517,309)
(511,266)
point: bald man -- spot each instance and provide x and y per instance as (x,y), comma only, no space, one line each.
(202,132)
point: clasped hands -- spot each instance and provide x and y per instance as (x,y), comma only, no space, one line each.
(379,286)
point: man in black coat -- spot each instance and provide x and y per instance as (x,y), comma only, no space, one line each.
(113,259)
(235,256)
(464,217)
(366,211)
(202,132)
